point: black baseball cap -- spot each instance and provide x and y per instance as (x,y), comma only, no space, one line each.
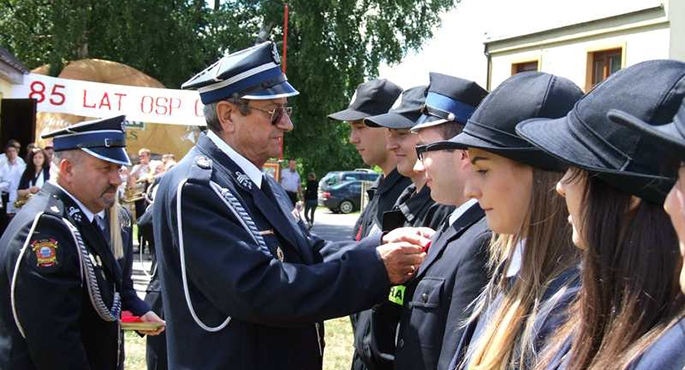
(370,99)
(404,113)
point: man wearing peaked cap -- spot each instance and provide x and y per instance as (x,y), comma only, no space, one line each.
(456,264)
(240,273)
(414,206)
(60,283)
(375,347)
(370,99)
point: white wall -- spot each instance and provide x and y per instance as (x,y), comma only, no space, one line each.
(569,59)
(457,46)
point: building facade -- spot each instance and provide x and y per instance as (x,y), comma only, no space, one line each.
(592,48)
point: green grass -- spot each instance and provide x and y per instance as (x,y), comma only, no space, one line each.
(337,356)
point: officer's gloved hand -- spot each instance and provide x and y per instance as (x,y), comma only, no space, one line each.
(414,235)
(401,260)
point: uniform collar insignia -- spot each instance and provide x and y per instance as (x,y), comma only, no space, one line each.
(75,213)
(243,180)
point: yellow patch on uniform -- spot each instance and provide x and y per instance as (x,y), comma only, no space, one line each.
(46,252)
(397,294)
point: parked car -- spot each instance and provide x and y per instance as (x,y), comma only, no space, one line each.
(339,177)
(342,198)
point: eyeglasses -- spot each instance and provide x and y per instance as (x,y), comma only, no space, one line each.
(276,114)
(432,147)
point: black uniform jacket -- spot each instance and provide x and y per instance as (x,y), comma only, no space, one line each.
(383,195)
(63,331)
(276,306)
(376,329)
(418,210)
(437,300)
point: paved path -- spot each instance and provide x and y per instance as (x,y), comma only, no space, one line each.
(327,225)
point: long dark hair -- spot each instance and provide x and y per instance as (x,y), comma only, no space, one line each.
(629,292)
(508,339)
(30,171)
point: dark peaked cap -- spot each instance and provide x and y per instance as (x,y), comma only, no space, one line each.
(102,138)
(370,99)
(449,99)
(253,73)
(623,157)
(406,111)
(522,96)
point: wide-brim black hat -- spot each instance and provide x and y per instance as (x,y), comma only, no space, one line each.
(562,143)
(525,95)
(670,133)
(621,156)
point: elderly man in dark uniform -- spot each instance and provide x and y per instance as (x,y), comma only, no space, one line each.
(245,285)
(60,284)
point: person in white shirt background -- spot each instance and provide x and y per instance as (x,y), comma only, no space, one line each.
(290,181)
(10,174)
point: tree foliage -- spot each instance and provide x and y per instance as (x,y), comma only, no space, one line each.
(333,45)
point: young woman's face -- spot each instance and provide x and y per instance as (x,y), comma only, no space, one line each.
(572,189)
(503,189)
(38,159)
(675,207)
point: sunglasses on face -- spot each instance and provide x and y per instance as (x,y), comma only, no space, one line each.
(432,147)
(276,113)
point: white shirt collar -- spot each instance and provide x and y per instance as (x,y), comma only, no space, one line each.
(461,210)
(254,173)
(84,209)
(516,259)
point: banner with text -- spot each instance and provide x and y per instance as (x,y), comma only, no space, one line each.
(92,99)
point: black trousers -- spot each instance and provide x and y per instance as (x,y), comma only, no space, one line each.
(309,209)
(293,196)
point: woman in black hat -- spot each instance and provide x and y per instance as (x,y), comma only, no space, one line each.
(667,351)
(614,191)
(533,258)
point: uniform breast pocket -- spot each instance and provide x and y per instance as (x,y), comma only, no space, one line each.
(428,293)
(427,322)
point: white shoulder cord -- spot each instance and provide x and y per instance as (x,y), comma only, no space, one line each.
(86,272)
(232,204)
(14,274)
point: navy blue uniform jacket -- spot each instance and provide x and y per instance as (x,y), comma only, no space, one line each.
(667,353)
(552,314)
(276,307)
(437,300)
(63,331)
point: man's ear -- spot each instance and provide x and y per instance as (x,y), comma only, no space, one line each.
(464,161)
(66,170)
(225,112)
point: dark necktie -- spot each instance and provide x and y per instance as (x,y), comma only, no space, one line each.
(101,227)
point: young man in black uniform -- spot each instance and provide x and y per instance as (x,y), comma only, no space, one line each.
(373,98)
(370,99)
(437,300)
(60,283)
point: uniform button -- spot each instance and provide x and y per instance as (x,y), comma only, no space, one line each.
(424,297)
(400,344)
